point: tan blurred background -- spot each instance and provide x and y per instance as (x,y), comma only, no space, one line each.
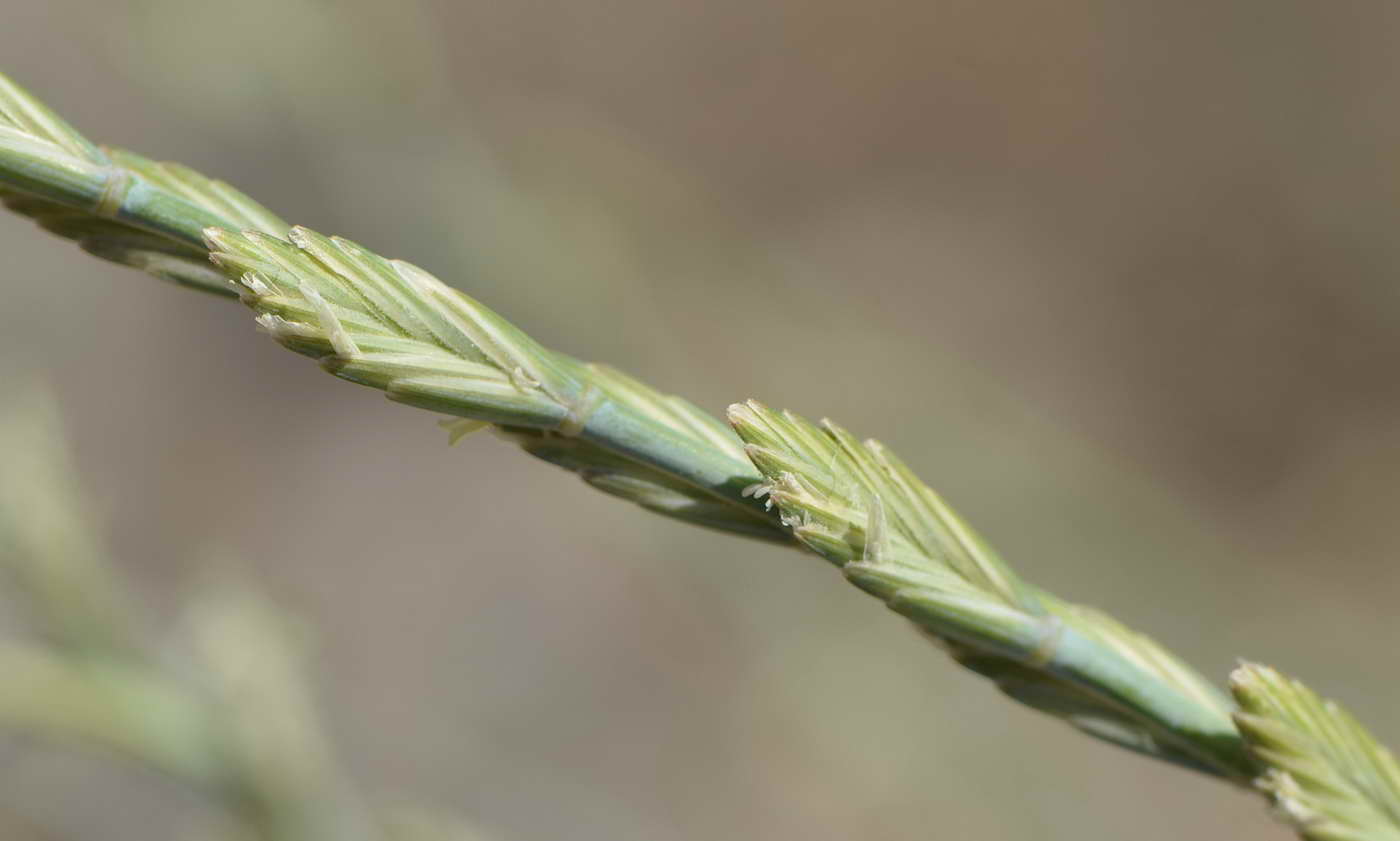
(1118,277)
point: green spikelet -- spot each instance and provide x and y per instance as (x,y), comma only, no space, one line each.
(863,509)
(1328,777)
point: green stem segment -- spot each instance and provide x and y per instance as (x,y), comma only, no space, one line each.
(105,190)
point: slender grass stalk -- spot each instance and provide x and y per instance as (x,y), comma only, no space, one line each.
(48,556)
(123,708)
(233,717)
(277,764)
(390,325)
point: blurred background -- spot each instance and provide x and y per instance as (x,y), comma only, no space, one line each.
(1117,278)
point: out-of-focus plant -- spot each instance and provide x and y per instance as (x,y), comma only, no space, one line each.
(229,713)
(392,326)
